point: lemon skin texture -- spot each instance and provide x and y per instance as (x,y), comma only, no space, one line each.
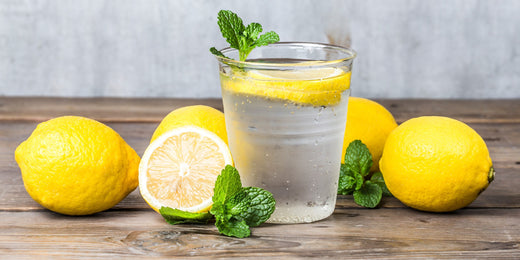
(436,164)
(369,122)
(199,115)
(77,166)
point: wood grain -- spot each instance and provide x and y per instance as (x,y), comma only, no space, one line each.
(349,233)
(153,110)
(488,228)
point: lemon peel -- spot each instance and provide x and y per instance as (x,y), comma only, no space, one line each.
(316,87)
(77,166)
(436,164)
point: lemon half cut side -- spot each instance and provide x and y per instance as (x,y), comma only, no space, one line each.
(180,167)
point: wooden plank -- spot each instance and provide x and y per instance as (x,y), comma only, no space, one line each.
(468,111)
(503,141)
(39,109)
(153,110)
(350,233)
(489,227)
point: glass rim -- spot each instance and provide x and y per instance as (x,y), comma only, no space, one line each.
(347,50)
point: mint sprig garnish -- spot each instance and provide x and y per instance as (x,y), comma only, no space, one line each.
(241,37)
(235,208)
(355,177)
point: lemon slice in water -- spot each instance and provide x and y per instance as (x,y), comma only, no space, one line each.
(316,87)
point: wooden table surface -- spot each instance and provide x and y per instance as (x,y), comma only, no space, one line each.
(489,227)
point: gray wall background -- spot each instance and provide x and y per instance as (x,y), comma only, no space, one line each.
(159,48)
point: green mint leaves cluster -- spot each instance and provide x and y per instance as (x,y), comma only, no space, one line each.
(241,37)
(355,177)
(235,208)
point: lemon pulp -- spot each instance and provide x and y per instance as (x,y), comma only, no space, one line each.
(316,87)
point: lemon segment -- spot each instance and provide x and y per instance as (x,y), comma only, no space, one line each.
(316,87)
(180,167)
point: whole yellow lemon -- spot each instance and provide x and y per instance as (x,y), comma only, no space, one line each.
(199,115)
(436,164)
(77,166)
(369,122)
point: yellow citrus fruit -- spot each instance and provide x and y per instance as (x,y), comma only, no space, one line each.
(199,115)
(180,167)
(436,164)
(369,122)
(77,166)
(317,87)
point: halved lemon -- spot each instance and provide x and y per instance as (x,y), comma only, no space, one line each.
(180,167)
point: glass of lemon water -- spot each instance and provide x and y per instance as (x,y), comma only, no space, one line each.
(285,110)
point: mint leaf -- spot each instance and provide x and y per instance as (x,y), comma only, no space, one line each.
(347,182)
(240,37)
(176,216)
(377,178)
(353,175)
(358,158)
(218,210)
(236,208)
(359,181)
(217,52)
(233,228)
(267,38)
(231,27)
(369,195)
(227,185)
(252,31)
(253,205)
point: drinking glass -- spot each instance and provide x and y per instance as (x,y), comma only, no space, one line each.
(286,110)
